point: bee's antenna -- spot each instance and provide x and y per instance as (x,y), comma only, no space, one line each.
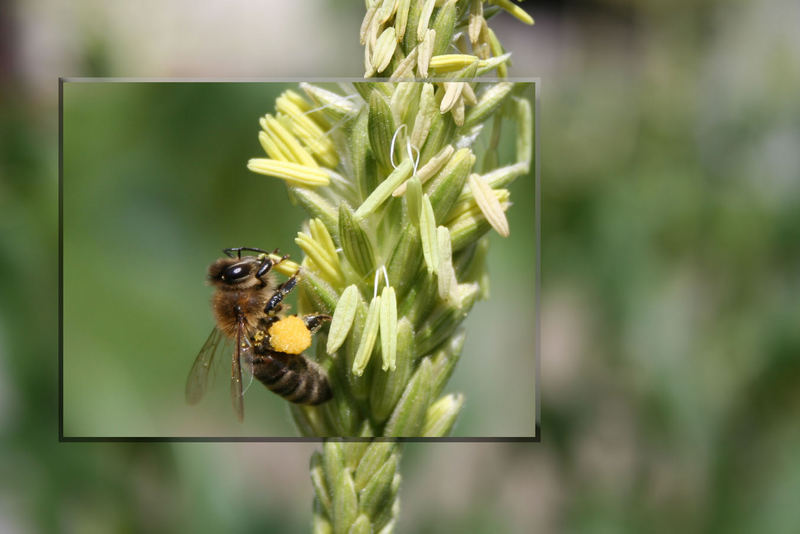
(238,250)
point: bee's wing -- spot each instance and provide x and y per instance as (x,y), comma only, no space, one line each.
(197,382)
(242,357)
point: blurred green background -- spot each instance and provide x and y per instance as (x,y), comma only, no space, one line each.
(671,223)
(154,187)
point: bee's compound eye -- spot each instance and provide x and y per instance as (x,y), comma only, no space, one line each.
(236,272)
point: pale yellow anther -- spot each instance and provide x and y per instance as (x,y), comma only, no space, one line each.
(287,142)
(425,53)
(271,147)
(452,62)
(294,173)
(384,49)
(489,204)
(452,93)
(424,18)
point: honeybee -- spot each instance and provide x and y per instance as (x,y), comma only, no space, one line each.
(268,346)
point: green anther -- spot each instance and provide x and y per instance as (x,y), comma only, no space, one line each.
(427,231)
(387,386)
(384,189)
(368,337)
(358,385)
(388,328)
(424,118)
(342,318)
(447,276)
(414,199)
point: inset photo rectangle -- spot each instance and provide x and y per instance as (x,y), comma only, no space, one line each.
(264,260)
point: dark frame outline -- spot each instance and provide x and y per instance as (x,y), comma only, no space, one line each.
(536,438)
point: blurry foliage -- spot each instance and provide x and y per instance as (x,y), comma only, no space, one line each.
(676,221)
(671,226)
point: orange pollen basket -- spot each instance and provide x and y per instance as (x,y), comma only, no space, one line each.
(290,335)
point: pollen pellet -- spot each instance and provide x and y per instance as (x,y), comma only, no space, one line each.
(290,335)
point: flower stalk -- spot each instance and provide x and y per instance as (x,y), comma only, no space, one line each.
(401,181)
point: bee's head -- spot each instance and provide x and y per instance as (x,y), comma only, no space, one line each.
(234,273)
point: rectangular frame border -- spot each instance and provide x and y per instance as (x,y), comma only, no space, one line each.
(536,438)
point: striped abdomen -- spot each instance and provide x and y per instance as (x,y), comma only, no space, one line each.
(292,376)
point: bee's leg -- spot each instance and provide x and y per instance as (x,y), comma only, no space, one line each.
(265,322)
(280,292)
(267,264)
(314,321)
(263,268)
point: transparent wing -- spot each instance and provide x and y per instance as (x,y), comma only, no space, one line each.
(242,358)
(247,373)
(197,382)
